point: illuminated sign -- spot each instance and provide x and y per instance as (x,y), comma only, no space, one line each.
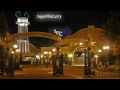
(34,34)
(59,33)
(62,32)
(49,16)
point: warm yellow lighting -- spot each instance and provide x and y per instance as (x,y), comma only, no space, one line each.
(15,46)
(37,56)
(75,43)
(99,50)
(12,52)
(105,47)
(17,50)
(41,56)
(96,56)
(80,43)
(49,52)
(70,55)
(53,50)
(93,43)
(45,52)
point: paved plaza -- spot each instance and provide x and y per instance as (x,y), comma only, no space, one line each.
(69,72)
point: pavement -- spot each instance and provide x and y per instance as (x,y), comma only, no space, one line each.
(69,72)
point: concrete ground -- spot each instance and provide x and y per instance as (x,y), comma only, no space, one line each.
(69,72)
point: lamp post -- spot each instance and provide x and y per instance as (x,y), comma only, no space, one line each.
(47,58)
(12,60)
(12,63)
(15,55)
(85,67)
(37,58)
(106,61)
(99,51)
(17,59)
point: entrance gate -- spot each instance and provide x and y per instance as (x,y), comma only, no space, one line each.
(10,39)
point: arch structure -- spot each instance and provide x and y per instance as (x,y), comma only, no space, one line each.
(16,36)
(87,36)
(12,38)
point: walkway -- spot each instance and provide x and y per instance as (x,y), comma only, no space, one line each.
(70,72)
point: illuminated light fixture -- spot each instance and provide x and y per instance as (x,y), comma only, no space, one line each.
(70,55)
(105,47)
(99,50)
(75,43)
(53,50)
(12,52)
(80,43)
(41,56)
(37,56)
(15,46)
(96,56)
(17,50)
(45,52)
(49,52)
(93,43)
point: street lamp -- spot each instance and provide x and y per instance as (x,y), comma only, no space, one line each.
(106,61)
(47,57)
(80,43)
(15,46)
(53,50)
(99,51)
(15,50)
(37,58)
(12,60)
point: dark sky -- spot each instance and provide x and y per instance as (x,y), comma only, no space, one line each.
(74,19)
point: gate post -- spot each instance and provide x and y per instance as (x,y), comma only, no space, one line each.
(11,65)
(58,63)
(85,67)
(89,60)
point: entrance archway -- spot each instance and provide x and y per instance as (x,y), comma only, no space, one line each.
(16,36)
(78,56)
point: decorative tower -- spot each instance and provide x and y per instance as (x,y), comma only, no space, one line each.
(22,22)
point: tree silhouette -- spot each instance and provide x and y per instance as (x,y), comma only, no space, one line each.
(112,30)
(3,30)
(3,24)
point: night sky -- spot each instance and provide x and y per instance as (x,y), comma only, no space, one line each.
(74,19)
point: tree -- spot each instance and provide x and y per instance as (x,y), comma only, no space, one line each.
(112,30)
(3,30)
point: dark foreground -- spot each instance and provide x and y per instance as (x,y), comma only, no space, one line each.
(69,72)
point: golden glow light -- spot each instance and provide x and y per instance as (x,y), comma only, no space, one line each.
(80,43)
(53,50)
(41,56)
(99,50)
(12,52)
(15,46)
(70,55)
(17,50)
(105,47)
